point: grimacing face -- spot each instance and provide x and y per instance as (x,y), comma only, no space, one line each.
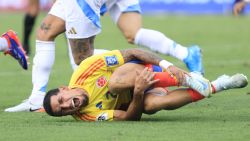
(68,101)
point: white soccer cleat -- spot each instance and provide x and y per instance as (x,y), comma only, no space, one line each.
(226,82)
(199,83)
(25,106)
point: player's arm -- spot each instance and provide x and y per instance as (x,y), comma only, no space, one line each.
(143,55)
(143,81)
(146,57)
(152,58)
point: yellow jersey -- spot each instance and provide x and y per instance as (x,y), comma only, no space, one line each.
(93,75)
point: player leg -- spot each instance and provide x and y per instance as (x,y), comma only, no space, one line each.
(225,82)
(64,16)
(43,60)
(158,99)
(71,58)
(29,21)
(10,44)
(3,44)
(126,14)
(124,78)
(239,6)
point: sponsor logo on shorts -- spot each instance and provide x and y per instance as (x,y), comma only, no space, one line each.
(111,60)
(101,81)
(102,117)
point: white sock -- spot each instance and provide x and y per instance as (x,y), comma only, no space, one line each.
(42,65)
(158,42)
(3,44)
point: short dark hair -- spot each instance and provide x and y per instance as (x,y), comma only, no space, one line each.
(47,100)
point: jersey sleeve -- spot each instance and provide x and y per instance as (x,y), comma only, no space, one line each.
(96,64)
(101,115)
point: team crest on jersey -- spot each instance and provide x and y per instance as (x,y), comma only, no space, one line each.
(111,60)
(101,81)
(102,117)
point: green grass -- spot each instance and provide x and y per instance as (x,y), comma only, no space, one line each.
(225,117)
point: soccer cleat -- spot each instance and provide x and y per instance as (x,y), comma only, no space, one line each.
(226,82)
(25,106)
(198,83)
(194,60)
(15,49)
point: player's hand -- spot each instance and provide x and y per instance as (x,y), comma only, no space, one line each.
(144,80)
(238,7)
(178,73)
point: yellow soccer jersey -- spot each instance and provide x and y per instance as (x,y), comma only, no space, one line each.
(93,76)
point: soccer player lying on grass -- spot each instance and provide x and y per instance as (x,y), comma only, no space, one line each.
(109,87)
(10,44)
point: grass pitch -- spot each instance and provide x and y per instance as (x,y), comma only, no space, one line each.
(224,117)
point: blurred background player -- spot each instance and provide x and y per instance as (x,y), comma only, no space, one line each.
(9,44)
(80,20)
(32,11)
(239,6)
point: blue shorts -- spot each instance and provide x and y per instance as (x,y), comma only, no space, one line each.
(154,68)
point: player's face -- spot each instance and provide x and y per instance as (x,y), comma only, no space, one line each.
(68,101)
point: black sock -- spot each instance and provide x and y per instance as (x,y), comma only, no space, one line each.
(29,22)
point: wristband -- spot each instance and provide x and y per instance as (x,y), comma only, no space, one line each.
(165,64)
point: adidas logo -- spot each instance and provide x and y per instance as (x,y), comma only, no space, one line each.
(72,31)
